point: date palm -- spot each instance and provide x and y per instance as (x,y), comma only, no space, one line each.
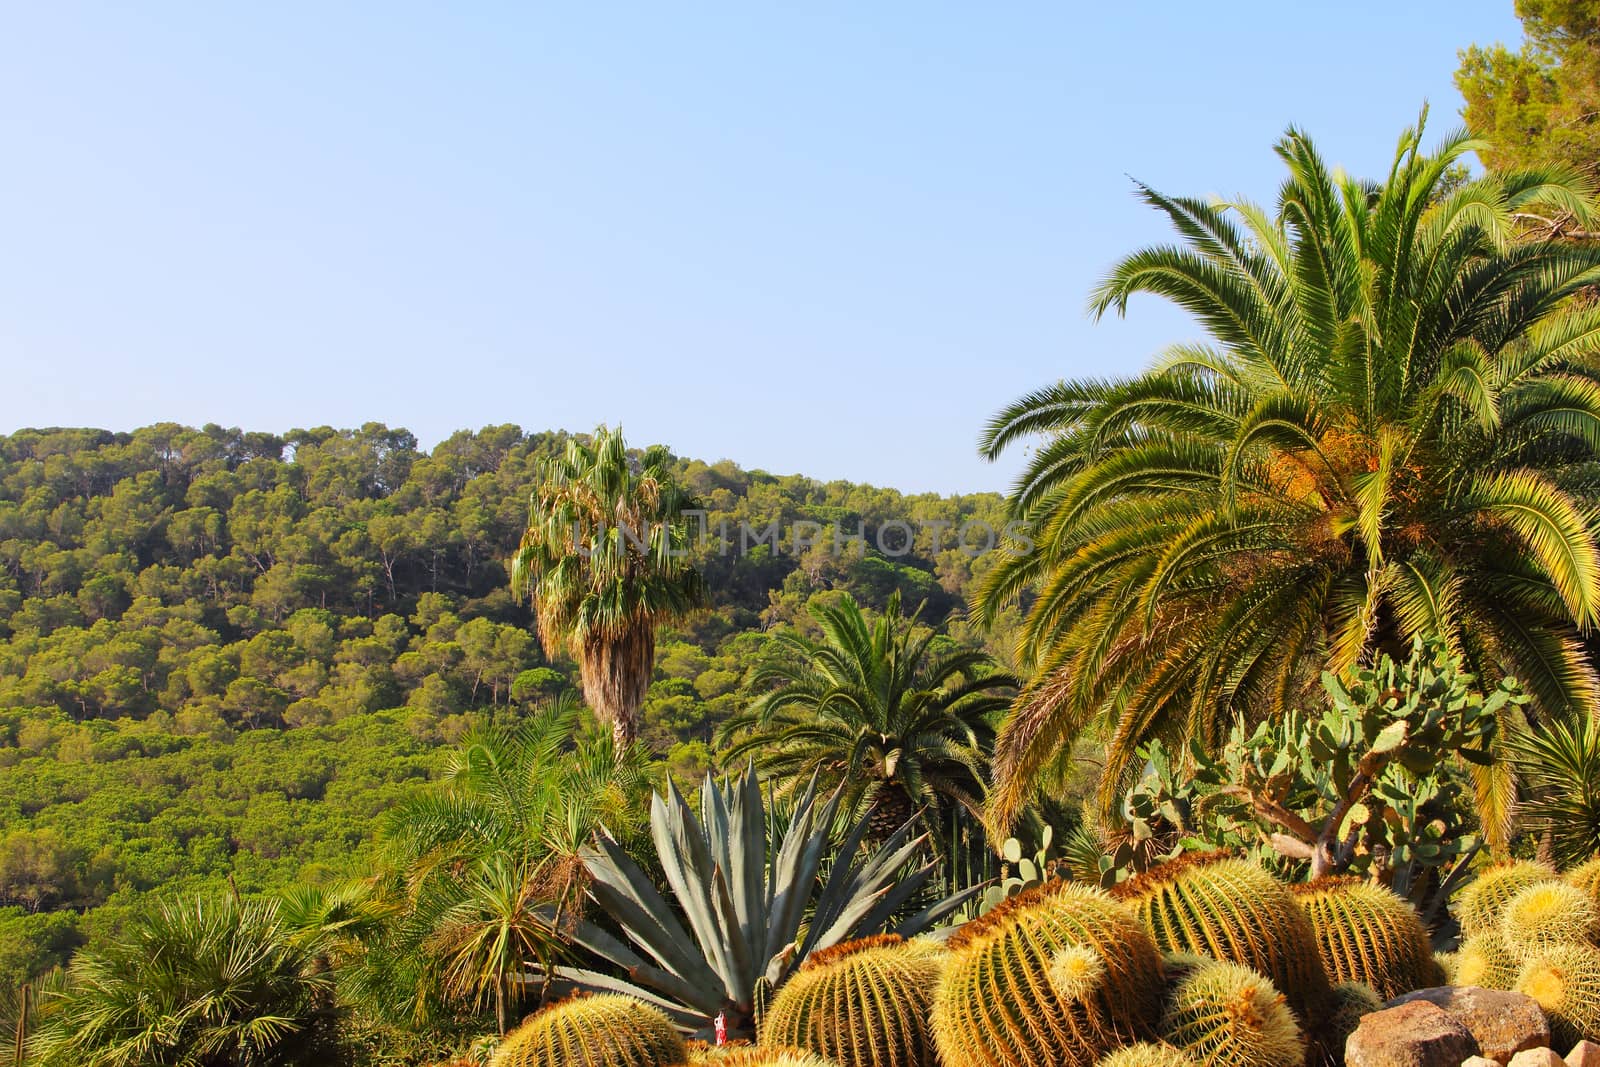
(603,559)
(1391,429)
(877,707)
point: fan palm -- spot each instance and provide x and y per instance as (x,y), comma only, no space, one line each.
(603,560)
(489,863)
(878,708)
(1559,764)
(212,982)
(1391,429)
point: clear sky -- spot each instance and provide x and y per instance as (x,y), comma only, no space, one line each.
(827,238)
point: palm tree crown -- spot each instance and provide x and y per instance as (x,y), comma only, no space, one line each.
(878,707)
(603,558)
(1391,429)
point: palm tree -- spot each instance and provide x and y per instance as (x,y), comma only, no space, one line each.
(208,982)
(1391,430)
(488,864)
(603,558)
(880,708)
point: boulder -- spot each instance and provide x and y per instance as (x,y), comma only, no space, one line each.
(1584,1054)
(1537,1057)
(1415,1034)
(1503,1023)
(1481,1061)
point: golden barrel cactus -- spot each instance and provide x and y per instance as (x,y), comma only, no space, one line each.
(595,1031)
(1481,902)
(1056,976)
(1565,980)
(1349,1002)
(863,1003)
(1586,876)
(1545,915)
(755,1056)
(1484,961)
(1368,933)
(1218,906)
(1223,1013)
(1148,1054)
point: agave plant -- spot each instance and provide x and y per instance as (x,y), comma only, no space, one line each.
(749,917)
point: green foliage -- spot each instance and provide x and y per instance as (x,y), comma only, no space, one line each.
(487,862)
(1055,977)
(1224,1013)
(753,913)
(194,983)
(1537,106)
(1211,904)
(898,716)
(1369,935)
(597,1031)
(1366,786)
(1558,765)
(863,1002)
(1384,435)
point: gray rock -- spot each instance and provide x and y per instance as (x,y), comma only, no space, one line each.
(1503,1023)
(1415,1034)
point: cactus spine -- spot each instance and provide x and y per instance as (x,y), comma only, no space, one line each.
(1146,1054)
(1222,1013)
(1565,980)
(863,1003)
(1545,915)
(1586,876)
(598,1031)
(1214,905)
(749,1056)
(1482,900)
(1484,961)
(1054,977)
(1367,933)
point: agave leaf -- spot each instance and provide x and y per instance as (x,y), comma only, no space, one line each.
(702,997)
(623,890)
(686,861)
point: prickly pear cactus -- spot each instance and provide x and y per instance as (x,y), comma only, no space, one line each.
(1543,916)
(1215,905)
(1054,977)
(1481,902)
(1222,1013)
(596,1031)
(863,1003)
(1368,933)
(1565,980)
(1148,1054)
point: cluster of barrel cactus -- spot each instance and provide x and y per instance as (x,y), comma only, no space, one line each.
(1524,927)
(1200,962)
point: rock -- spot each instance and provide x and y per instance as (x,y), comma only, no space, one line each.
(1537,1057)
(1503,1023)
(1415,1034)
(1584,1054)
(1480,1061)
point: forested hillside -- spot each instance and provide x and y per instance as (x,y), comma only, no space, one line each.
(225,653)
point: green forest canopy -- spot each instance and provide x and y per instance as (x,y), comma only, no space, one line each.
(223,654)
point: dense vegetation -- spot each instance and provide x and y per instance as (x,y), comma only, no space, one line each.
(226,653)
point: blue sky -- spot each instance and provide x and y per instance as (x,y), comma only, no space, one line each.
(824,238)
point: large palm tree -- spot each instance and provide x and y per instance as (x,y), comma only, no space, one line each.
(603,558)
(1390,429)
(878,707)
